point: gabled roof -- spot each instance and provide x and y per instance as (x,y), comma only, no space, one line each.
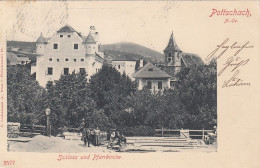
(150,71)
(123,58)
(66,28)
(172,45)
(90,39)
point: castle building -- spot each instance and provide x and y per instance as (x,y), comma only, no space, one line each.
(65,52)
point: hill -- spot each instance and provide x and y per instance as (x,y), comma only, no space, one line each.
(22,45)
(111,51)
(138,51)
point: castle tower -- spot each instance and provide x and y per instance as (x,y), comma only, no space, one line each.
(40,45)
(91,45)
(94,33)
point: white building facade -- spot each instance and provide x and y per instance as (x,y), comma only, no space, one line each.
(125,65)
(65,52)
(152,77)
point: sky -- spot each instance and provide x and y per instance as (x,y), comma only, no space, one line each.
(148,23)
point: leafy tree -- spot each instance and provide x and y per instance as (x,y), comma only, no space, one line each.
(24,96)
(110,89)
(197,90)
(70,102)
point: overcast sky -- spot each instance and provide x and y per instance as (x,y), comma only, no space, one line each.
(147,23)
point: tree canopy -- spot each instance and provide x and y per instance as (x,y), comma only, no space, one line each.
(111,100)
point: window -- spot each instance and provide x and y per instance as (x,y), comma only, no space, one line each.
(50,71)
(160,85)
(50,59)
(82,70)
(75,60)
(169,59)
(66,59)
(68,36)
(58,60)
(170,54)
(66,71)
(55,46)
(172,83)
(61,36)
(82,60)
(149,84)
(118,66)
(76,46)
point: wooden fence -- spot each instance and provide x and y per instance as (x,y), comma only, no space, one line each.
(196,134)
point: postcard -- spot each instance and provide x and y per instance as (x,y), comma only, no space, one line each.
(129,83)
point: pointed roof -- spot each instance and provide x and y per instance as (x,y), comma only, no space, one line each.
(172,45)
(150,71)
(66,28)
(90,39)
(41,39)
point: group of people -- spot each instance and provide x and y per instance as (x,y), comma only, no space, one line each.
(91,136)
(115,137)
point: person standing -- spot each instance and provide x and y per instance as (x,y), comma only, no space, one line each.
(88,135)
(97,136)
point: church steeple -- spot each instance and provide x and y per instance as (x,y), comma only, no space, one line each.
(172,53)
(172,45)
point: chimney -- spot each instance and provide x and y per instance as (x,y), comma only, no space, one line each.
(141,63)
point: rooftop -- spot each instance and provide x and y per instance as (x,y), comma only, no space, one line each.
(191,60)
(123,58)
(172,45)
(41,39)
(66,28)
(150,71)
(90,39)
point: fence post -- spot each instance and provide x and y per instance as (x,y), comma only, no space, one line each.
(162,131)
(202,133)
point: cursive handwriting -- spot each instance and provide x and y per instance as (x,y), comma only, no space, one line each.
(231,62)
(234,63)
(222,48)
(235,81)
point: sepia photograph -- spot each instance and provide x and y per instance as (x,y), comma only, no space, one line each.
(129,84)
(74,86)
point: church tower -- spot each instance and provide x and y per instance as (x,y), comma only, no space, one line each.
(173,55)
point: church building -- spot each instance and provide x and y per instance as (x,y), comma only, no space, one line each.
(163,76)
(65,52)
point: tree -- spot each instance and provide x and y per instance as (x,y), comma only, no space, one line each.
(110,89)
(69,99)
(24,96)
(197,90)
